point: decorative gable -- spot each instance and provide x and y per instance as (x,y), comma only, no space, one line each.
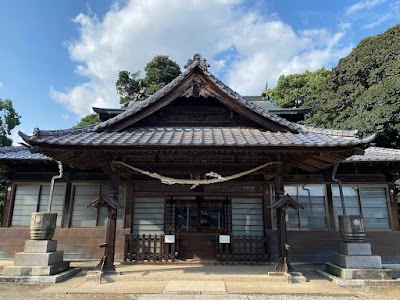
(197,83)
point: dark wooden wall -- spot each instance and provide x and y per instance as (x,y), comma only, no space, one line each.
(77,243)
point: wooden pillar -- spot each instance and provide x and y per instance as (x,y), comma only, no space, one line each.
(394,217)
(8,204)
(112,221)
(66,217)
(283,248)
(330,211)
(267,217)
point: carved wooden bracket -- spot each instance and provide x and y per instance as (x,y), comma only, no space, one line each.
(198,89)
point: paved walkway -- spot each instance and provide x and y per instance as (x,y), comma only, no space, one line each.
(193,281)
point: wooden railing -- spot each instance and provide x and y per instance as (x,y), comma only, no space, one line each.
(241,249)
(148,248)
(245,250)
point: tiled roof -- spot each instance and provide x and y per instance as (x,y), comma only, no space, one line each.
(272,106)
(177,81)
(20,153)
(376,154)
(202,136)
(296,135)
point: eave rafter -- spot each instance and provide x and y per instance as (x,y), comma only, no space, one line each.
(94,157)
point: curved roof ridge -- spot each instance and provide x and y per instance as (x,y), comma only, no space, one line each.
(58,132)
(338,132)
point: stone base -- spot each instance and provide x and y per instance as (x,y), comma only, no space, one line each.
(357,261)
(94,276)
(355,248)
(34,246)
(376,274)
(41,279)
(292,277)
(38,259)
(36,270)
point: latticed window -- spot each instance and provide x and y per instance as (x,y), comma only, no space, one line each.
(83,216)
(312,198)
(369,201)
(197,214)
(34,197)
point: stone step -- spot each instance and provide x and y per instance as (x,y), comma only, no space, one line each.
(376,274)
(36,270)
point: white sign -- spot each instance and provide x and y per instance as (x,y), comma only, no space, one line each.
(224,239)
(169,239)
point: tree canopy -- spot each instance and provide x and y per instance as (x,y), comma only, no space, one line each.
(128,86)
(9,118)
(160,71)
(88,120)
(296,89)
(361,92)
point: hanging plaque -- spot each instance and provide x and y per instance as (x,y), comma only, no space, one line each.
(169,239)
(224,239)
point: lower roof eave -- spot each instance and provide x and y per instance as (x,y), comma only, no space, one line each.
(307,158)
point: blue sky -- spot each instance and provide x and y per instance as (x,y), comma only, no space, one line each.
(60,58)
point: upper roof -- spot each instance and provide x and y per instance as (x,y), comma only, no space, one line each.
(197,81)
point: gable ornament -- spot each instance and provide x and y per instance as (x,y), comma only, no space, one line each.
(197,59)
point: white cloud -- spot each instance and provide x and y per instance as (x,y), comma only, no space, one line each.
(1,84)
(366,4)
(130,36)
(392,14)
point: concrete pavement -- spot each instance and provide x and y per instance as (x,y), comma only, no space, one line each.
(193,281)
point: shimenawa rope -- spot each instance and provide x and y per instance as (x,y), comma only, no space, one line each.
(216,178)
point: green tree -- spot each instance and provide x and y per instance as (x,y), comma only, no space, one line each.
(88,120)
(9,118)
(361,92)
(300,89)
(159,72)
(128,87)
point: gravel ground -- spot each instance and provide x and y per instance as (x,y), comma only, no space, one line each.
(32,292)
(12,291)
